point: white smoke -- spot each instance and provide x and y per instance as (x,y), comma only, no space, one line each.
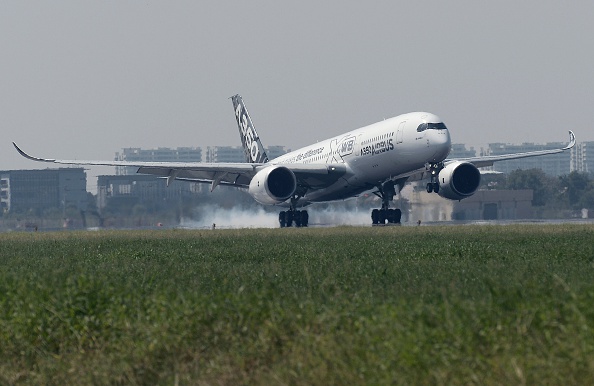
(257,217)
(338,216)
(225,218)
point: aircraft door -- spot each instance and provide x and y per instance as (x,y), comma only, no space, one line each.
(399,133)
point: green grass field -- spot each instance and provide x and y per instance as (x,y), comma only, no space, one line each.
(395,305)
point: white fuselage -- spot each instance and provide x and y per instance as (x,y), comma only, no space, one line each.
(374,154)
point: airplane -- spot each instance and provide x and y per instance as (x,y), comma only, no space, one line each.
(380,158)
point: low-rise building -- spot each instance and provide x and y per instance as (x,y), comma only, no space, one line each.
(459,150)
(143,189)
(161,154)
(483,205)
(38,190)
(237,153)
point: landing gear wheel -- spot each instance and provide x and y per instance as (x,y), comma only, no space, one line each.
(300,217)
(281,219)
(304,218)
(391,216)
(397,216)
(297,217)
(375,216)
(429,187)
(386,192)
(382,216)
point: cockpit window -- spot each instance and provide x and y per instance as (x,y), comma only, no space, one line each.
(431,126)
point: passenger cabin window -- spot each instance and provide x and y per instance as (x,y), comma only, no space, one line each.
(431,126)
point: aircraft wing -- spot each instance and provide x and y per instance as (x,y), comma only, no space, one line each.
(480,162)
(237,174)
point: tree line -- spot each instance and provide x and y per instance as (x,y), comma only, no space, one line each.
(573,191)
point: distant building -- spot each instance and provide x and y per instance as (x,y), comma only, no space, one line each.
(161,154)
(276,151)
(554,164)
(224,154)
(459,150)
(236,153)
(141,189)
(187,154)
(25,190)
(582,158)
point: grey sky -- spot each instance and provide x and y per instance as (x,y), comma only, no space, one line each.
(84,79)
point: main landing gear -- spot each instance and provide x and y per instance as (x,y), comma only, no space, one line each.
(300,218)
(288,217)
(386,192)
(380,216)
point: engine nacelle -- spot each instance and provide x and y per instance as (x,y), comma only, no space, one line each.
(273,185)
(459,180)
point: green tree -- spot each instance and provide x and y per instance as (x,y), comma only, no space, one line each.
(587,199)
(577,187)
(493,181)
(535,179)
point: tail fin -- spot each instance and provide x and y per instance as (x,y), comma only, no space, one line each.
(254,151)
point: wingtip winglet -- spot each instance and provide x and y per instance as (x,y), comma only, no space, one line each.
(571,141)
(21,152)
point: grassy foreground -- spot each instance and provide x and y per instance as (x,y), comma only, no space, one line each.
(399,305)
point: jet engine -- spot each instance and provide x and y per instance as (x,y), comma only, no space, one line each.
(273,185)
(458,180)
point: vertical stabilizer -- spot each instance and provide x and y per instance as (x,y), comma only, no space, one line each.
(254,151)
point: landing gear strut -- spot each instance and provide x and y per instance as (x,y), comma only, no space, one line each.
(300,218)
(386,192)
(434,169)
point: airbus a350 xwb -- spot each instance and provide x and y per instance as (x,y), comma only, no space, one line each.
(379,158)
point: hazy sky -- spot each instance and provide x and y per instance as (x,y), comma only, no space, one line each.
(85,79)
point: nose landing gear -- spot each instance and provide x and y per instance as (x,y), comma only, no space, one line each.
(434,169)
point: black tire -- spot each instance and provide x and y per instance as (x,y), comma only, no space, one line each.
(281,219)
(430,187)
(297,218)
(391,216)
(289,218)
(436,187)
(382,216)
(397,216)
(304,218)
(375,216)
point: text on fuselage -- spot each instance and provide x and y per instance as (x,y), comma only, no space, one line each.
(305,155)
(378,147)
